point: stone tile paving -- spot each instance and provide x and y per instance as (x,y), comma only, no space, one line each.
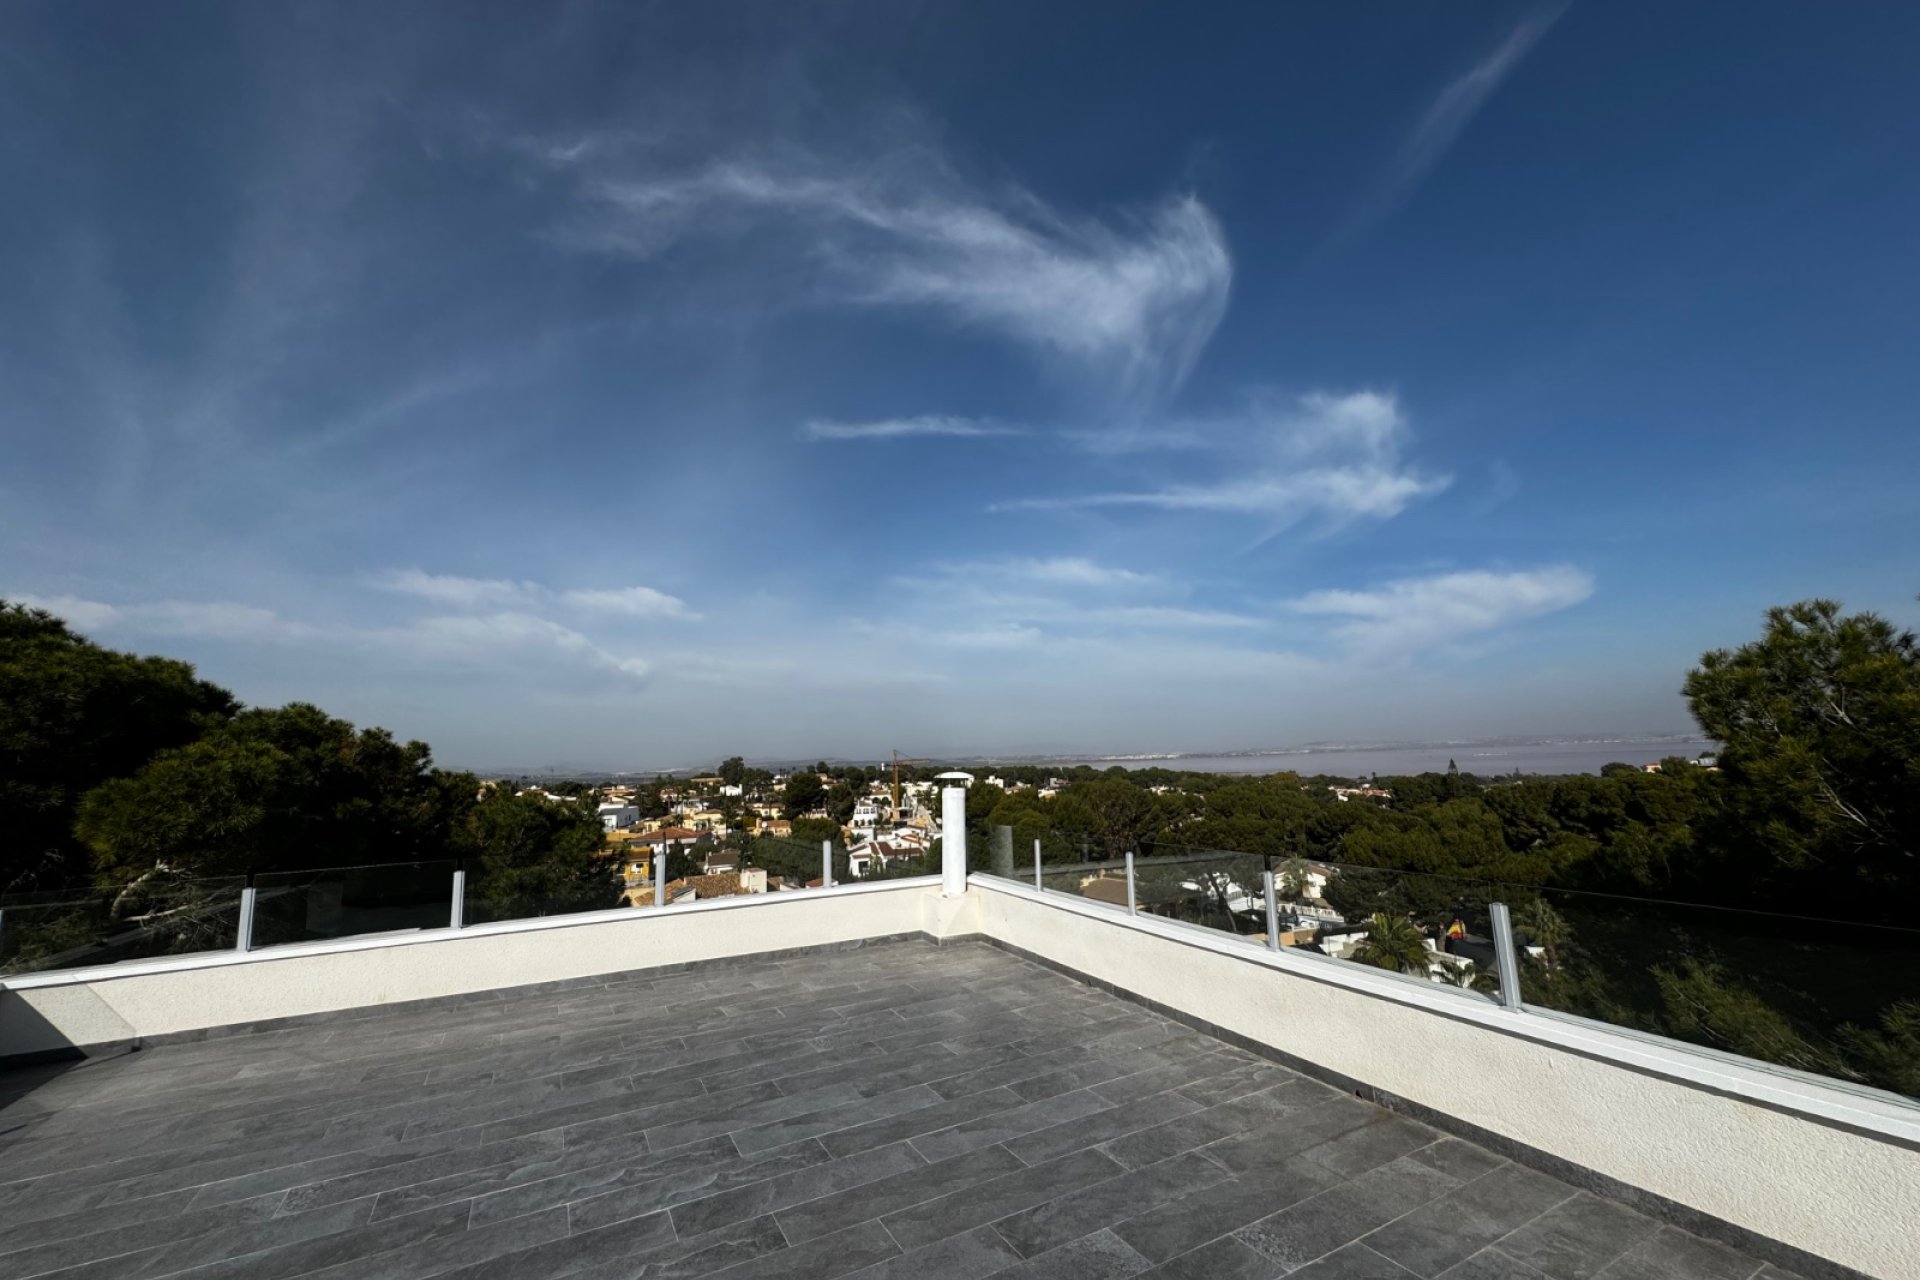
(900,1110)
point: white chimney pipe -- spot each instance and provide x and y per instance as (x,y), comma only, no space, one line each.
(953,833)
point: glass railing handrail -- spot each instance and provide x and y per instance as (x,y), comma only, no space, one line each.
(1801,992)
(1277,861)
(415,863)
(170,915)
(76,895)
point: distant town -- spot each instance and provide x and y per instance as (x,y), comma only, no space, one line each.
(709,826)
(743,830)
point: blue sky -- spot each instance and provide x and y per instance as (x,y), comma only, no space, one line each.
(623,385)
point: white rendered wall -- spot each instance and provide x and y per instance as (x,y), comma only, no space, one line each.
(1849,1197)
(1608,1102)
(113,1003)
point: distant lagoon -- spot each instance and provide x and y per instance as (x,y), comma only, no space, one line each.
(1489,759)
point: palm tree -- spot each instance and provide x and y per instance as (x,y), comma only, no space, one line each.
(1292,880)
(1396,943)
(1545,929)
(1213,885)
(1473,978)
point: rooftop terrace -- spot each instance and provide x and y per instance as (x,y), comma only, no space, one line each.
(962,1075)
(899,1109)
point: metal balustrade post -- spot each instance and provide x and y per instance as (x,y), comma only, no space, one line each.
(1036,867)
(1273,911)
(826,864)
(243,936)
(1133,908)
(457,918)
(1506,959)
(659,869)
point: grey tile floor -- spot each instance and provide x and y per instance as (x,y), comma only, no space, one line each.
(901,1110)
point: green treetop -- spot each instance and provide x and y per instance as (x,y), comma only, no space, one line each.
(73,715)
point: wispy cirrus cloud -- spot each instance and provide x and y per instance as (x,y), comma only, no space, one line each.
(212,619)
(1411,615)
(468,639)
(1160,617)
(1129,301)
(1344,493)
(1015,601)
(1446,118)
(633,602)
(477,622)
(489,637)
(1067,571)
(453,591)
(1339,457)
(1042,581)
(919,427)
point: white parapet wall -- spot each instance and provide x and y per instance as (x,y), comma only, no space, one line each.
(137,1000)
(1829,1170)
(1832,1171)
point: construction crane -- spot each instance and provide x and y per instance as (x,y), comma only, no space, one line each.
(899,760)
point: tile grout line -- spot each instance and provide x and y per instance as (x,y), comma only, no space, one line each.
(917,1203)
(1658,1226)
(283,1076)
(924,1162)
(1405,1271)
(1344,1180)
(1505,1164)
(1002,1237)
(1494,1243)
(1040,1204)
